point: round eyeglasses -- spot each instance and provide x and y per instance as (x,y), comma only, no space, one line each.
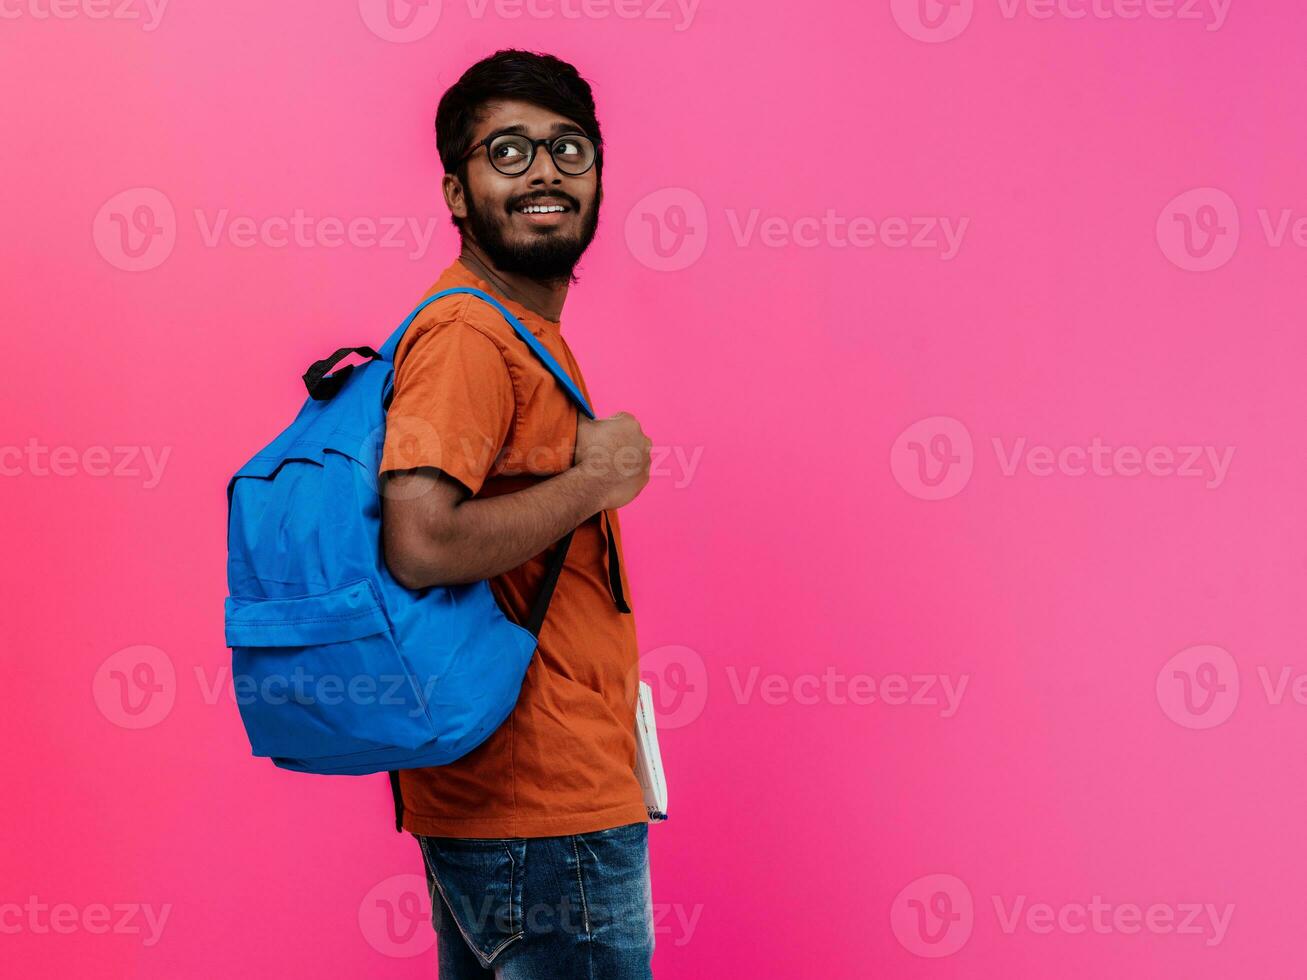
(512,155)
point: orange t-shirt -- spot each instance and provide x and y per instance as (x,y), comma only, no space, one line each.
(473,401)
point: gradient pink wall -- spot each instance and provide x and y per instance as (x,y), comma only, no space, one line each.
(970,666)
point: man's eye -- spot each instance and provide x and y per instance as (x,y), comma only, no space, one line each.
(504,152)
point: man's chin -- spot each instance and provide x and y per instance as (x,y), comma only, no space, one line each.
(545,252)
(544,259)
(554,237)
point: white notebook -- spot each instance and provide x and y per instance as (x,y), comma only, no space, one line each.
(648,761)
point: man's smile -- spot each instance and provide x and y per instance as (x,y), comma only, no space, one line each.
(543,211)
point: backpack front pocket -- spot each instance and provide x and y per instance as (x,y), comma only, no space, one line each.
(320,675)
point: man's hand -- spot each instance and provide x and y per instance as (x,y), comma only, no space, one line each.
(613,452)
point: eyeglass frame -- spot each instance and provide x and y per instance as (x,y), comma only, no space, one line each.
(535,145)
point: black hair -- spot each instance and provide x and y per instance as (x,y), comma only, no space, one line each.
(526,76)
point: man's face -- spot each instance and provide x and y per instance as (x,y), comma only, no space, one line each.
(545,247)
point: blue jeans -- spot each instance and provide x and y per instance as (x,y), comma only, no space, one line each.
(577,907)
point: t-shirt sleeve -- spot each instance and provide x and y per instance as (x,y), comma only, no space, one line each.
(453,405)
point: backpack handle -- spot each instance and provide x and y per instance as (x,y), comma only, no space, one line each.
(323,386)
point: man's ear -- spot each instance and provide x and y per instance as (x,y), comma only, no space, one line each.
(455,195)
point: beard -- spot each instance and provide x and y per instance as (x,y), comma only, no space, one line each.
(548,257)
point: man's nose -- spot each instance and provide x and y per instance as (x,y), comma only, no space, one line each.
(543,170)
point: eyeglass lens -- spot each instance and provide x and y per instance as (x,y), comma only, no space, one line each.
(511,154)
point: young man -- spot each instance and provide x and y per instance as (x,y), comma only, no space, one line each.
(535,843)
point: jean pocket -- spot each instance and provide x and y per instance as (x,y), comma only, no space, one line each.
(481,884)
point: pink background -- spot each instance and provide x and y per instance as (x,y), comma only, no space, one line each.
(1092,753)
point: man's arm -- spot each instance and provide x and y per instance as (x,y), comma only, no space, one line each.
(433,534)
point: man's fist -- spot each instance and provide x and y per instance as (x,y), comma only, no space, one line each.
(614,452)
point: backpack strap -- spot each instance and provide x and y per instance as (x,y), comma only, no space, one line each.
(398,797)
(614,567)
(388,349)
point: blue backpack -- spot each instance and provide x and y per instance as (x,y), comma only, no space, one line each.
(337,668)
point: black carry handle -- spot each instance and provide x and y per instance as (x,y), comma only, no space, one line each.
(533,623)
(321,386)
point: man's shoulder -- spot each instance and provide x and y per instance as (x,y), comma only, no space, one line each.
(455,316)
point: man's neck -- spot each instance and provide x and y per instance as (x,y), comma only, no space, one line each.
(543,299)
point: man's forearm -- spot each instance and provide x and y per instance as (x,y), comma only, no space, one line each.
(490,535)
